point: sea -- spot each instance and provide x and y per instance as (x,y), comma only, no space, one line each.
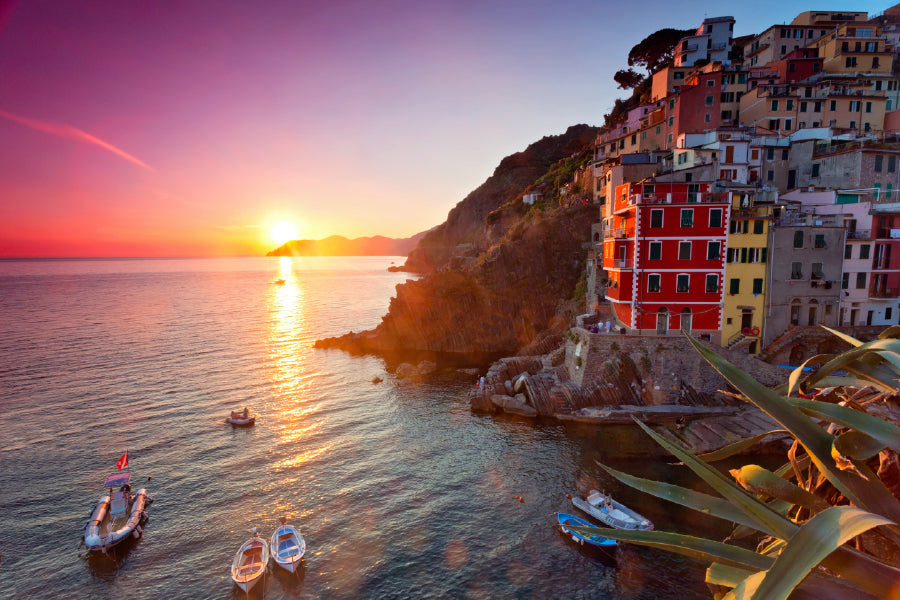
(399,490)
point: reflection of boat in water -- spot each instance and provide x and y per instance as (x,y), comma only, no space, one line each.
(566,521)
(614,514)
(279,282)
(287,546)
(250,562)
(118,516)
(241,418)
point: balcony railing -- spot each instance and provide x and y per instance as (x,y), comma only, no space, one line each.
(623,263)
(884,292)
(860,234)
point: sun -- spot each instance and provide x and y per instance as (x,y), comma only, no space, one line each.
(283,232)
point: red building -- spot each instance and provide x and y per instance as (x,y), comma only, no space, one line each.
(885,282)
(665,256)
(799,65)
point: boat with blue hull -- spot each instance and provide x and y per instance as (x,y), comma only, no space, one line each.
(567,521)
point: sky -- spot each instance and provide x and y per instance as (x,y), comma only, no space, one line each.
(191,128)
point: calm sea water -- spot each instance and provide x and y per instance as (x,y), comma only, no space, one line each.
(399,490)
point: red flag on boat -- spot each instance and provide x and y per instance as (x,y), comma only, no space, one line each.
(123,462)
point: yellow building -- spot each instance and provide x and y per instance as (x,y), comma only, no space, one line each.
(746,273)
(854,48)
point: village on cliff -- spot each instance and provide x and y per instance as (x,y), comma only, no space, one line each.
(755,197)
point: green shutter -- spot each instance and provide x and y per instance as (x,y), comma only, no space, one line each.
(847,199)
(735,286)
(765,252)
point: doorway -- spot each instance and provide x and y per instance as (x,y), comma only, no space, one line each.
(662,321)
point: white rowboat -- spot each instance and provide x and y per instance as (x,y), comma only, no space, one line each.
(250,562)
(288,546)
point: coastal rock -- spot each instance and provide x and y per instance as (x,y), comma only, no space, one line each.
(513,405)
(426,367)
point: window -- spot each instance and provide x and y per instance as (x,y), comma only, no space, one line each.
(754,255)
(653,283)
(655,251)
(788,124)
(713,250)
(892,163)
(709,100)
(848,251)
(868,107)
(833,105)
(790,104)
(796,270)
(784,153)
(854,106)
(770,175)
(817,107)
(861,281)
(743,255)
(887,313)
(770,154)
(820,240)
(798,239)
(715,217)
(774,105)
(845,281)
(817,272)
(758,226)
(712,283)
(687,217)
(656,218)
(734,286)
(682,283)
(815,169)
(879,163)
(684,251)
(864,250)
(774,124)
(850,62)
(765,252)
(757,286)
(803,106)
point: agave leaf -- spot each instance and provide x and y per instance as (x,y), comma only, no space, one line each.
(892,332)
(698,501)
(762,481)
(878,377)
(834,381)
(687,545)
(815,540)
(847,338)
(719,574)
(856,445)
(870,495)
(877,350)
(884,431)
(737,447)
(762,517)
(786,471)
(796,375)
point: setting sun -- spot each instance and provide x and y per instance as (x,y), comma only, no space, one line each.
(283,232)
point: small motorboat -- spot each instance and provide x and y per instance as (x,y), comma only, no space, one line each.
(288,546)
(241,418)
(614,514)
(118,516)
(566,521)
(250,562)
(279,282)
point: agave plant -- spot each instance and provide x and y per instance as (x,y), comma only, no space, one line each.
(826,523)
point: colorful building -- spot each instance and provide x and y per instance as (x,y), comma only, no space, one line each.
(664,255)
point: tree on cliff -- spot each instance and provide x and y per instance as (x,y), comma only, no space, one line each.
(655,51)
(628,78)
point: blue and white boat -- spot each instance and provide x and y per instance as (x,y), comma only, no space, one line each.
(566,521)
(287,546)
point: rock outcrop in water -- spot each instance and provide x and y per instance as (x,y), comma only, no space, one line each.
(497,272)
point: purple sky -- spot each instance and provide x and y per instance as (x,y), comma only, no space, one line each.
(190,128)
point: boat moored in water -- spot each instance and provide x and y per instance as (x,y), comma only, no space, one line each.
(610,512)
(118,517)
(249,563)
(241,418)
(287,546)
(566,521)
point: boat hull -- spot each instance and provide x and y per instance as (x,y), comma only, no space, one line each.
(249,563)
(241,422)
(98,540)
(566,521)
(287,547)
(611,513)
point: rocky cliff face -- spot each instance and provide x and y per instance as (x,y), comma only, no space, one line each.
(500,302)
(464,230)
(496,272)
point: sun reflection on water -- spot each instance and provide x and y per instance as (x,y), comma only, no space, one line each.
(293,405)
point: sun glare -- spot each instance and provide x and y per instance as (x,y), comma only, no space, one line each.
(283,232)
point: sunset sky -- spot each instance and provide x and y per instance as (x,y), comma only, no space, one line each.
(134,128)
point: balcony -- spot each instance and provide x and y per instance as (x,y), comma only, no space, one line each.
(884,292)
(623,263)
(859,234)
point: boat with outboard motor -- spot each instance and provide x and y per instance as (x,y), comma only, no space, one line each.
(118,516)
(565,521)
(287,546)
(241,418)
(610,512)
(250,562)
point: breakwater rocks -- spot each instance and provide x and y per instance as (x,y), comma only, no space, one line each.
(604,379)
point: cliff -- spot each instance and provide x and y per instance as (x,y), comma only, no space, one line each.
(497,271)
(337,245)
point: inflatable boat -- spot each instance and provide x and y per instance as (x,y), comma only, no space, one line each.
(117,517)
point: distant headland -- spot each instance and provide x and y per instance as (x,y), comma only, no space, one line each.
(337,245)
